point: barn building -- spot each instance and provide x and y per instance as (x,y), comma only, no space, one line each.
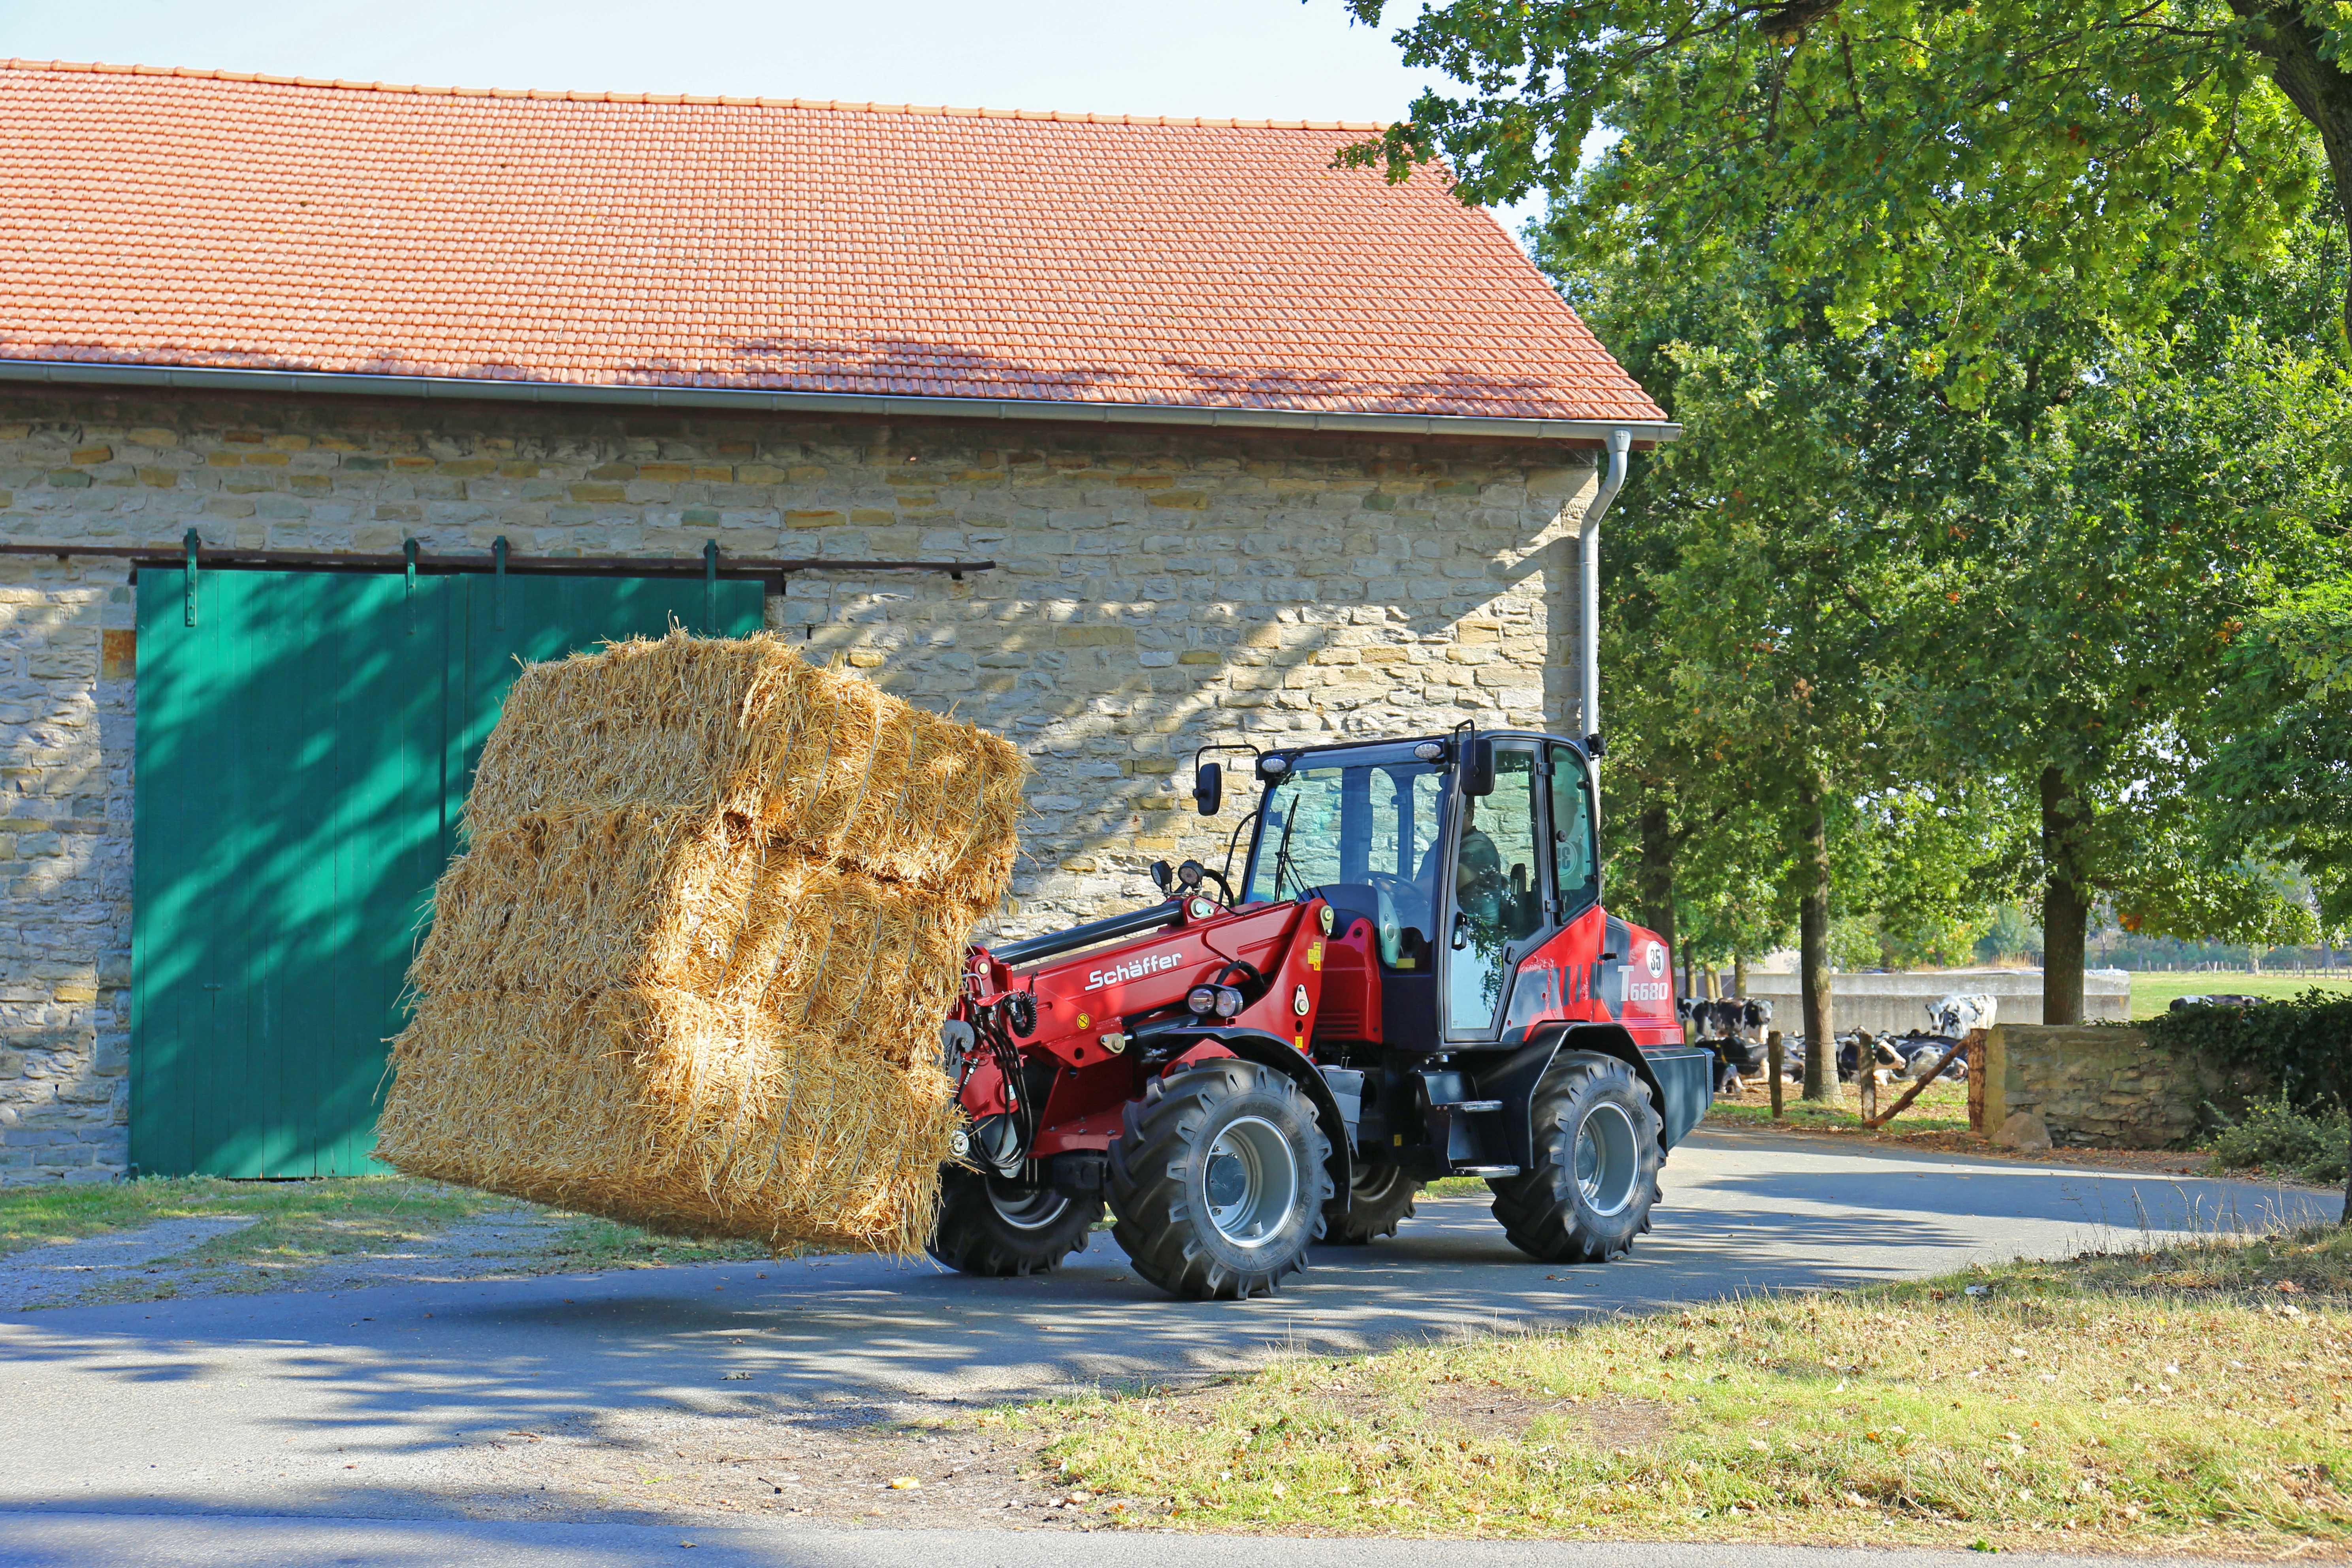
(323,403)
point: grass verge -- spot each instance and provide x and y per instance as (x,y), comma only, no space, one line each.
(1942,1106)
(291,1219)
(2190,1397)
(585,1241)
(297,1226)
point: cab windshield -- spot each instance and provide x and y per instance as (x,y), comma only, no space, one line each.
(1365,834)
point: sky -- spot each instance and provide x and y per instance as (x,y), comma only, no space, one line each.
(1278,60)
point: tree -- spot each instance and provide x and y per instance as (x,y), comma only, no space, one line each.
(1744,571)
(1964,160)
(2277,772)
(2098,529)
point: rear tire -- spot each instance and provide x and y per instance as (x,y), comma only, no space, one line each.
(1217,1182)
(1595,1174)
(1379,1198)
(988,1225)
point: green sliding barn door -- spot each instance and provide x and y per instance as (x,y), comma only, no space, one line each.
(303,750)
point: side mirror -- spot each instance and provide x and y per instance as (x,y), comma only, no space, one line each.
(1209,788)
(1479,769)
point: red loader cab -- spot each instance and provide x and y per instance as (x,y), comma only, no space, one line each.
(1414,978)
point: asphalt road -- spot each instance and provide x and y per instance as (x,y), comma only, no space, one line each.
(365,1404)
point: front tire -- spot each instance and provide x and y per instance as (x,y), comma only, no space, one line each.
(1379,1198)
(1217,1182)
(989,1226)
(1595,1174)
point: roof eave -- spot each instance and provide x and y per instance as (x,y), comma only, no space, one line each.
(478,389)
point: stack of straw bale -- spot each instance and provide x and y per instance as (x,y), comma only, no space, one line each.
(690,971)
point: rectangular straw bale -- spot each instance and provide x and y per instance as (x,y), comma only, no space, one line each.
(542,1097)
(690,971)
(812,758)
(633,897)
(791,1092)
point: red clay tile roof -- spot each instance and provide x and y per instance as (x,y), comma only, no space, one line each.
(209,219)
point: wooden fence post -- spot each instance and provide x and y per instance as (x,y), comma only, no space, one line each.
(1919,1085)
(1775,1055)
(1975,1044)
(1865,1073)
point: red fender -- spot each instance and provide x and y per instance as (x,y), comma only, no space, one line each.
(1207,1050)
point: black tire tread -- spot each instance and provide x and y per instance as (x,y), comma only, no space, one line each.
(1537,1208)
(968,1238)
(1151,1217)
(1348,1222)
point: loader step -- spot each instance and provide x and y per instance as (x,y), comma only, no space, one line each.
(1485,1170)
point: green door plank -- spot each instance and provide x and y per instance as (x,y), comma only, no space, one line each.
(301,756)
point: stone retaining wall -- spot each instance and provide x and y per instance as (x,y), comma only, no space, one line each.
(2099,1088)
(1157,588)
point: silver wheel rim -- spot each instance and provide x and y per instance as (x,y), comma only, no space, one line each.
(1606,1165)
(1250,1181)
(1026,1208)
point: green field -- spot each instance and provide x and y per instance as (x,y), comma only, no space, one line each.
(2152,990)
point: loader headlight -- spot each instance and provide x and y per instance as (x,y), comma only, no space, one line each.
(1214,1001)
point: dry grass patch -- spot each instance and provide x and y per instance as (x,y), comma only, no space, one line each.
(2071,1404)
(293,1224)
(1942,1106)
(309,1219)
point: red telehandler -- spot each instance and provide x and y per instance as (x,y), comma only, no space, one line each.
(1412,978)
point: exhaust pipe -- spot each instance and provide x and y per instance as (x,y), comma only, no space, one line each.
(1621,444)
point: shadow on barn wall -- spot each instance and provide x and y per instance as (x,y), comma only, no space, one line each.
(1250,592)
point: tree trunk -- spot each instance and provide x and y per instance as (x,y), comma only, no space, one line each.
(2066,900)
(1813,942)
(1739,975)
(2301,64)
(1653,875)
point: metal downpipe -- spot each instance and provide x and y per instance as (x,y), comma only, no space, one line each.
(1621,445)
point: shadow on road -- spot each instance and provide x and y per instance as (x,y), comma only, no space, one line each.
(369,1401)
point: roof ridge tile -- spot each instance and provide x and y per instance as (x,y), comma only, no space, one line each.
(577,95)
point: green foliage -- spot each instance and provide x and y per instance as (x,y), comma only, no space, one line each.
(2303,1046)
(2011,935)
(2278,773)
(1937,609)
(1967,163)
(2274,1136)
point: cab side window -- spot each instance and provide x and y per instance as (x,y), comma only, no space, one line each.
(1495,875)
(1575,864)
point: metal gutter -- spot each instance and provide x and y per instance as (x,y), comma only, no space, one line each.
(482,389)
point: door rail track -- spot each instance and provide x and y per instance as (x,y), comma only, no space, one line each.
(771,572)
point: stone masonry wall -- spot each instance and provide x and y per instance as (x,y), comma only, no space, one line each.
(2099,1088)
(1156,589)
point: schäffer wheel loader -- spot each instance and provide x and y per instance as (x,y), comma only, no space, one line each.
(1413,977)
